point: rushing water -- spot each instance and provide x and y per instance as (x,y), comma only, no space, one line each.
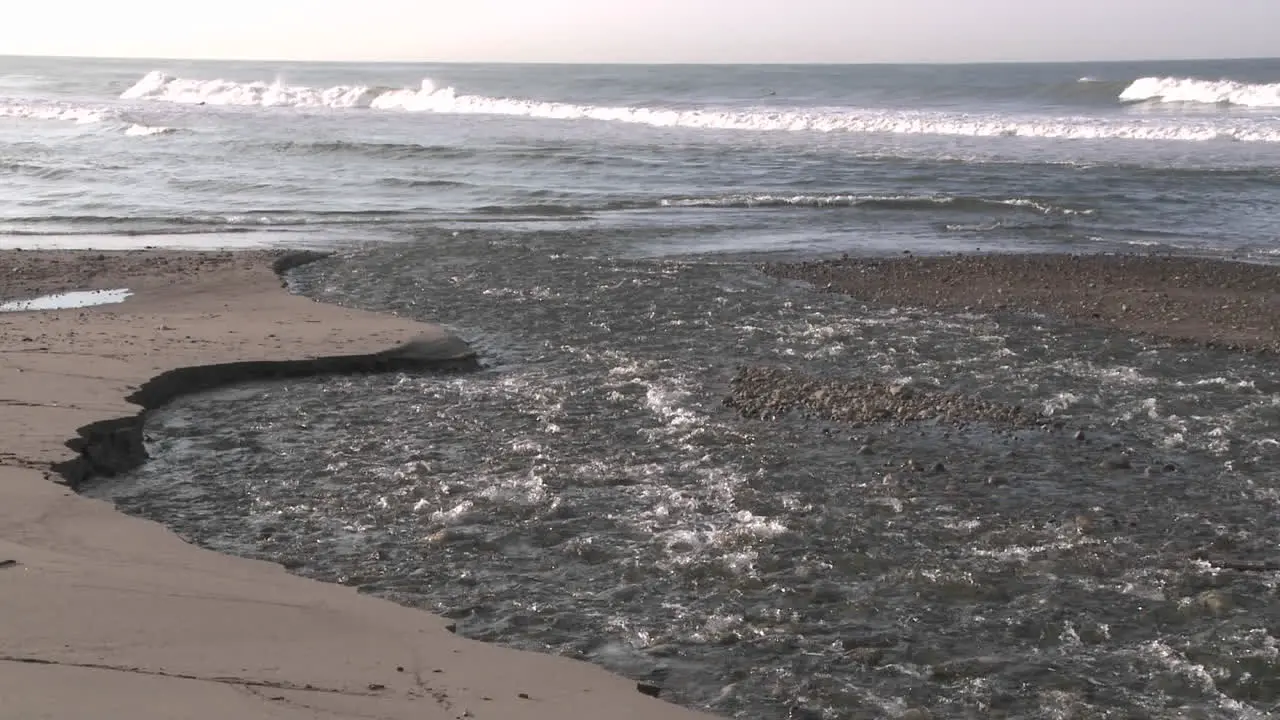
(589,493)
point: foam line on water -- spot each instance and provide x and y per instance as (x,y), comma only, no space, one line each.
(37,110)
(430,98)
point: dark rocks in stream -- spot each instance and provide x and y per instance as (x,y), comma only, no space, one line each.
(772,392)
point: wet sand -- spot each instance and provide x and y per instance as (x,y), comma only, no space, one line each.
(1206,301)
(113,616)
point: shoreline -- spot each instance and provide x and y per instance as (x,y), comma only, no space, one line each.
(126,619)
(1211,302)
(284,657)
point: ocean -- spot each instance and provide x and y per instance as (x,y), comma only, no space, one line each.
(595,232)
(816,158)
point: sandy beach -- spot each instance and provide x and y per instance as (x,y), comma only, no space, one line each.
(115,617)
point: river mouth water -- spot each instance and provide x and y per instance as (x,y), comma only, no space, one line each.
(635,480)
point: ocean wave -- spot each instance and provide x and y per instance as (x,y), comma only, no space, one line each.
(886,202)
(244,221)
(384,150)
(1204,92)
(420,183)
(139,130)
(157,85)
(815,201)
(35,170)
(428,98)
(534,209)
(26,110)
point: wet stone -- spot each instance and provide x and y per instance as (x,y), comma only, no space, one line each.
(871,657)
(648,689)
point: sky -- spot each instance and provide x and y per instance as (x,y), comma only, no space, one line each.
(728,31)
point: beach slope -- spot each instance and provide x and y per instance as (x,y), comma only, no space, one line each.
(109,616)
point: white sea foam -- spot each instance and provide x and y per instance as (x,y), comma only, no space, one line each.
(26,110)
(159,86)
(852,200)
(1210,92)
(429,98)
(137,130)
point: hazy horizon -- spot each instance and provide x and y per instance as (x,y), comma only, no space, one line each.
(295,61)
(651,31)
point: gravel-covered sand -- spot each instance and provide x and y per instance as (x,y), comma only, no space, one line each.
(771,392)
(1209,301)
(30,273)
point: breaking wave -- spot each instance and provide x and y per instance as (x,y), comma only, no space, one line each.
(885,202)
(428,98)
(138,130)
(816,201)
(26,110)
(1204,92)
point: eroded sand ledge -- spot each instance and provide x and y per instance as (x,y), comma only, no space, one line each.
(115,617)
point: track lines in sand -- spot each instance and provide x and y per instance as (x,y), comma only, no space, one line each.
(374,690)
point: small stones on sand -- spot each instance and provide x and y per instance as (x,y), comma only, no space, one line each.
(8,564)
(452,627)
(939,468)
(866,450)
(523,696)
(1080,436)
(773,392)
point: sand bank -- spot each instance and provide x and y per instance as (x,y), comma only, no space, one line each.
(1201,300)
(109,616)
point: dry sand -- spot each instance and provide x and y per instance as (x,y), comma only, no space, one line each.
(1216,302)
(109,616)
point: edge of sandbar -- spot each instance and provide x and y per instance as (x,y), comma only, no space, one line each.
(112,615)
(114,446)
